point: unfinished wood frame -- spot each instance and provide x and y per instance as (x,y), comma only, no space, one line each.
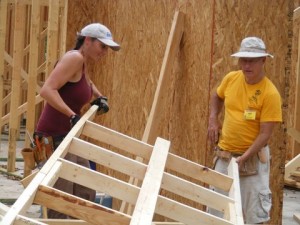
(146,198)
(28,58)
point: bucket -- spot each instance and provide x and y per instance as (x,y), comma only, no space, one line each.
(29,163)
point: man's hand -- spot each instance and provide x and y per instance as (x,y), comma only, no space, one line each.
(214,127)
(241,162)
(102,104)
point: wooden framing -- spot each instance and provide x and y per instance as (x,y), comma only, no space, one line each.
(146,198)
(53,33)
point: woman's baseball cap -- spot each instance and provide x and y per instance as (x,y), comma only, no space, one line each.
(102,33)
(252,47)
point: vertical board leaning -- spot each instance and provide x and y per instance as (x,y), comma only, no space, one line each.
(151,129)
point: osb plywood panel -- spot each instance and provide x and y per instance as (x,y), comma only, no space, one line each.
(213,31)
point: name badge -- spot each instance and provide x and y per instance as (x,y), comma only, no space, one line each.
(250,114)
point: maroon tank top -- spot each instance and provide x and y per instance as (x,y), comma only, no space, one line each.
(75,95)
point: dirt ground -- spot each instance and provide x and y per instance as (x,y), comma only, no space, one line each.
(11,188)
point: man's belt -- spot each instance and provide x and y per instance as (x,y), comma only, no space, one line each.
(223,154)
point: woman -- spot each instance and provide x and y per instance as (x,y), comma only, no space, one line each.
(66,91)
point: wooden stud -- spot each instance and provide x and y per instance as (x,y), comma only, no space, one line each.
(52,40)
(16,82)
(63,31)
(3,16)
(32,74)
(78,208)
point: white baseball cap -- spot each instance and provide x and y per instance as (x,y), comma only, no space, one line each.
(102,33)
(252,47)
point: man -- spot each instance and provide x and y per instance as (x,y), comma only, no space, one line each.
(252,109)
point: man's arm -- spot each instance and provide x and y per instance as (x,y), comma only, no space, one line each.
(214,125)
(266,129)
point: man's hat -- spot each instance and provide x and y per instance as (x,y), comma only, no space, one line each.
(252,47)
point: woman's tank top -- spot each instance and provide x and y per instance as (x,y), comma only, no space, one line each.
(75,95)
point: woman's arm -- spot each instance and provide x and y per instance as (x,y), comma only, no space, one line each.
(69,68)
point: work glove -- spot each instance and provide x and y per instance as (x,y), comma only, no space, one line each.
(101,102)
(74,119)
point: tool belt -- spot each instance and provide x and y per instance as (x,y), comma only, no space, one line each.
(42,149)
(250,166)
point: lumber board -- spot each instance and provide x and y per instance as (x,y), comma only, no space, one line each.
(81,222)
(199,172)
(143,150)
(64,222)
(78,207)
(32,71)
(186,214)
(99,181)
(296,15)
(151,129)
(52,40)
(42,2)
(108,158)
(146,202)
(25,181)
(235,211)
(63,28)
(19,31)
(296,217)
(194,192)
(291,183)
(116,139)
(3,16)
(291,166)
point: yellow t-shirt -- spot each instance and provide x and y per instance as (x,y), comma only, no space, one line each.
(246,106)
